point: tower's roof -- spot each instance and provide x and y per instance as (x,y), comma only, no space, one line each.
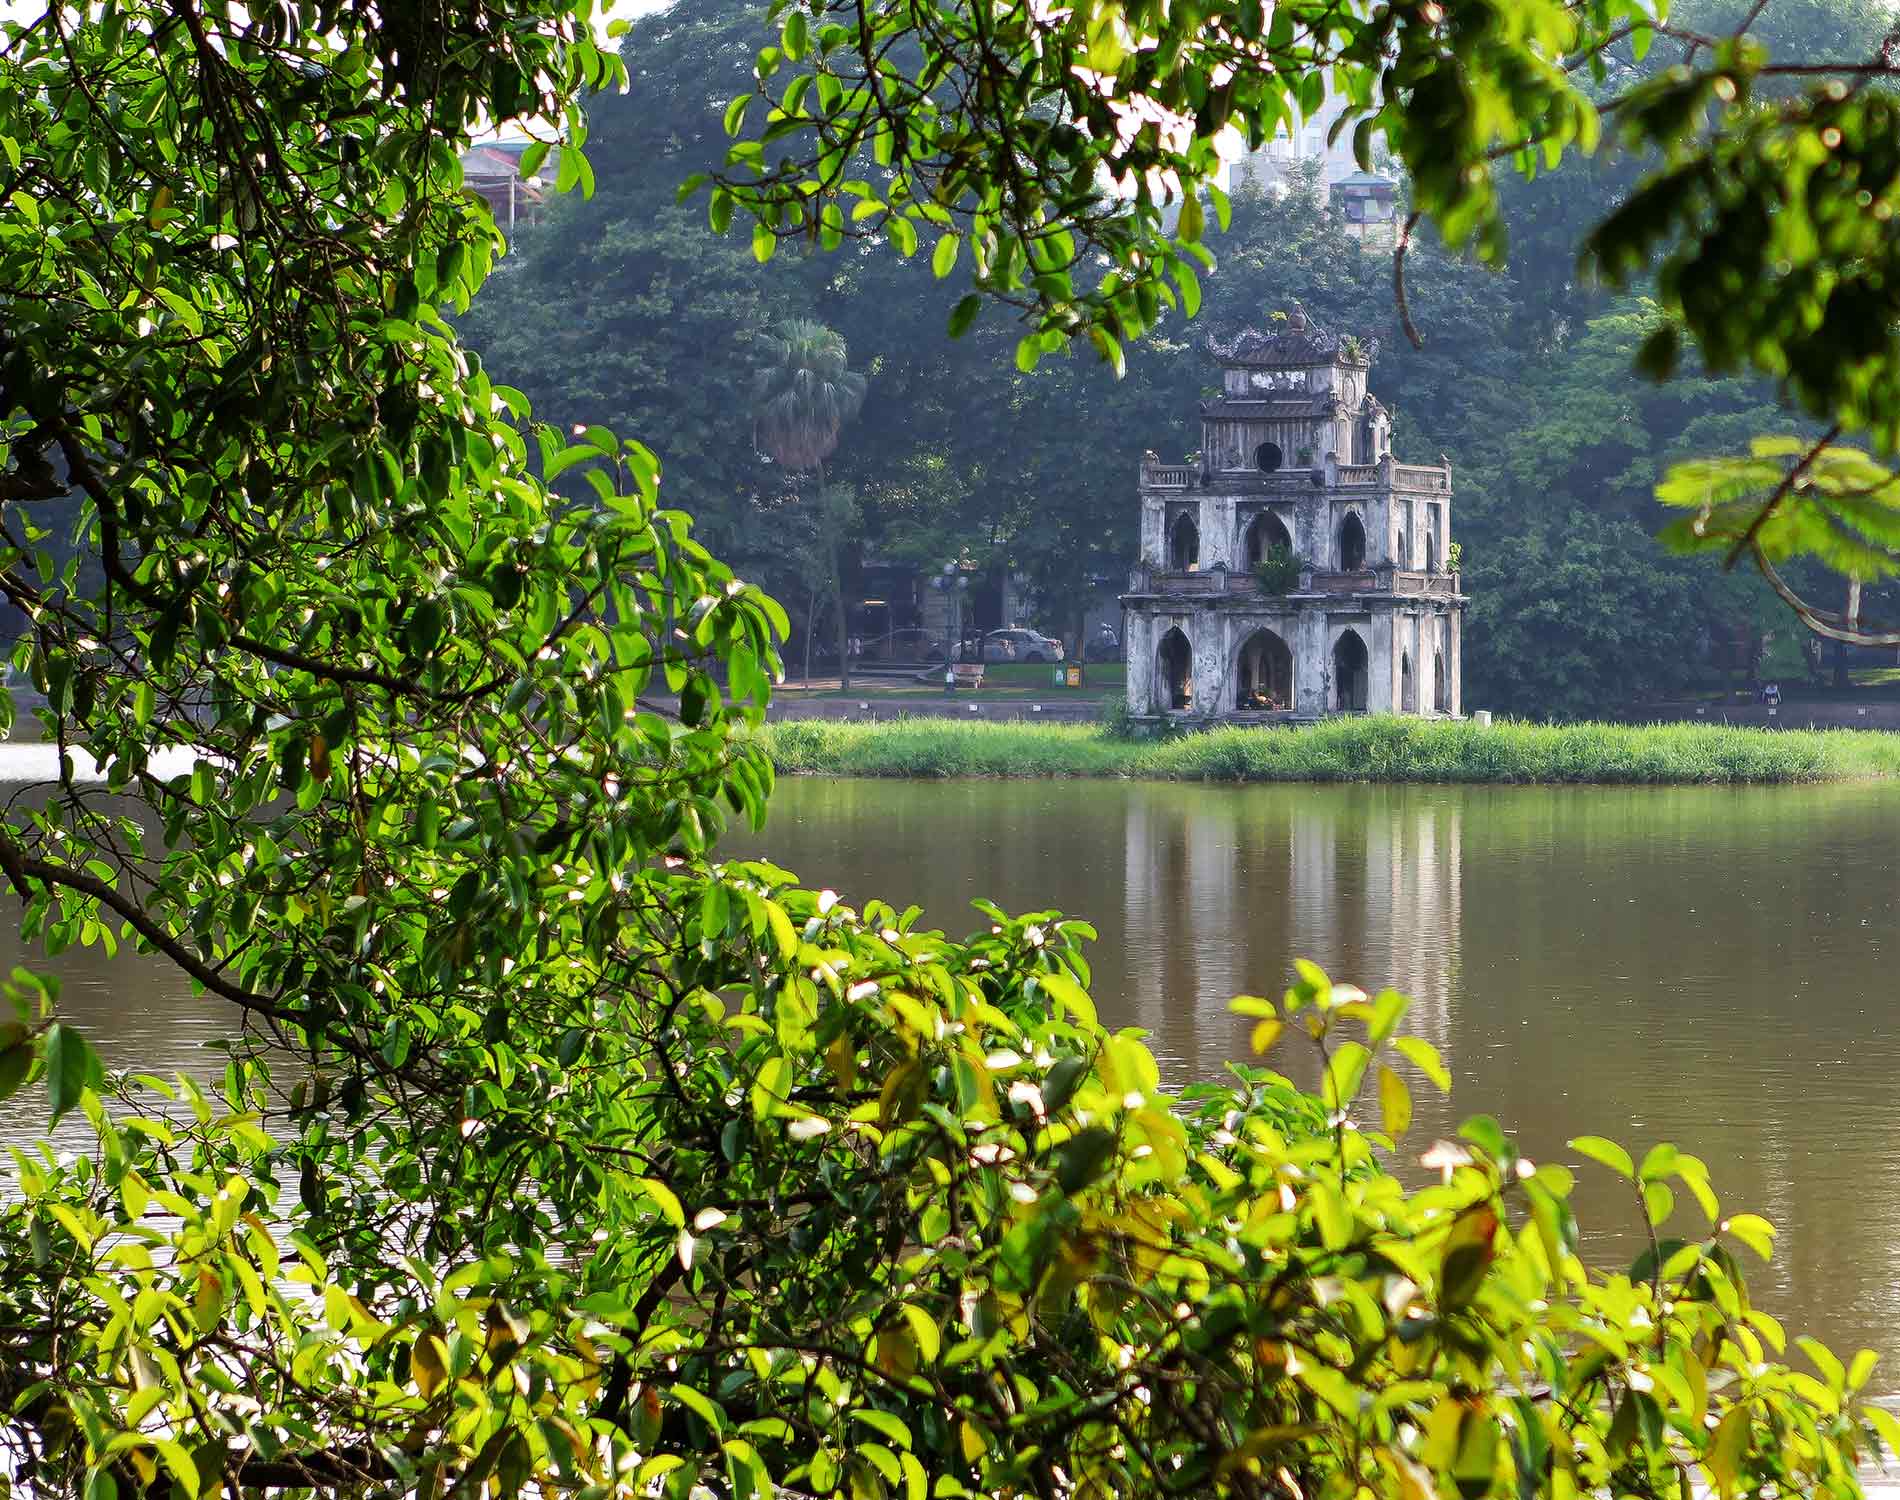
(1292,339)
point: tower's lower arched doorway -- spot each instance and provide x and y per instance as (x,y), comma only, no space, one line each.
(1441,689)
(1174,673)
(1349,674)
(1352,544)
(1408,689)
(1266,532)
(1263,673)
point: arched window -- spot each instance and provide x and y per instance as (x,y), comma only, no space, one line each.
(1263,673)
(1352,543)
(1349,674)
(1265,532)
(1184,544)
(1267,457)
(1408,689)
(1431,552)
(1441,689)
(1174,673)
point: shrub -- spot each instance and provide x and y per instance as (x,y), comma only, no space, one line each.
(1278,571)
(1117,718)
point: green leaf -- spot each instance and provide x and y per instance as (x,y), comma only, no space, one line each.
(707,1411)
(1082,1159)
(924,1328)
(665,1199)
(1611,1155)
(884,1422)
(1469,1251)
(1395,1102)
(1424,1056)
(794,34)
(1658,1202)
(944,258)
(1886,1424)
(1345,1069)
(1190,224)
(1753,1231)
(1062,1082)
(771,1089)
(72,1067)
(964,314)
(16,1057)
(1726,1450)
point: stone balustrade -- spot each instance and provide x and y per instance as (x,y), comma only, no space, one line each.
(1429,477)
(1198,582)
(1417,478)
(1167,476)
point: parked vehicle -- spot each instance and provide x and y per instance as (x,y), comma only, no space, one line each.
(1017,644)
(909,644)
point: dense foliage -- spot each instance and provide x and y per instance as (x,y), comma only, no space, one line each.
(620,313)
(553,1152)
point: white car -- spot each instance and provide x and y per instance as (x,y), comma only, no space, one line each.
(1018,644)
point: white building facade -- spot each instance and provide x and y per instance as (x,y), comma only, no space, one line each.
(1293,568)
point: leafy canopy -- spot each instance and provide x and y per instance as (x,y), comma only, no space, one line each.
(1041,144)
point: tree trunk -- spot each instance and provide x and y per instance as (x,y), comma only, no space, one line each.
(838,615)
(834,555)
(1841,682)
(811,611)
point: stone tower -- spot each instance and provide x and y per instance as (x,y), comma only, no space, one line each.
(1293,568)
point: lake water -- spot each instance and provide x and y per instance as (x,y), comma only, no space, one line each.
(1711,967)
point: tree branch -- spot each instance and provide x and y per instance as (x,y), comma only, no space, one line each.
(1782,491)
(1821,621)
(22,869)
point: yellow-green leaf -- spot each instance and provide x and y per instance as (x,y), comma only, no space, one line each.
(1395,1102)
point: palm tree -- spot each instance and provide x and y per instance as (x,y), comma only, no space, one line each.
(803,392)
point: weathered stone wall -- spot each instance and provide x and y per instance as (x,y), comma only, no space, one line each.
(1303,389)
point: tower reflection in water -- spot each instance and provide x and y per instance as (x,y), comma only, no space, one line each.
(1217,899)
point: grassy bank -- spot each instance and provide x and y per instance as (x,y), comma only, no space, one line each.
(1368,749)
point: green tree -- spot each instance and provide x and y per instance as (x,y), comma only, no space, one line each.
(552,1150)
(803,392)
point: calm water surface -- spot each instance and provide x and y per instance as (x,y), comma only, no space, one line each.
(1712,967)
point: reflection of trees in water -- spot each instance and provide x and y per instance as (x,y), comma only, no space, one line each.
(1221,894)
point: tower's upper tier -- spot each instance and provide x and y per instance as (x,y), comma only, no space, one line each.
(1291,395)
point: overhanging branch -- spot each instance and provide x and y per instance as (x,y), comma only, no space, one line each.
(1830,624)
(23,869)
